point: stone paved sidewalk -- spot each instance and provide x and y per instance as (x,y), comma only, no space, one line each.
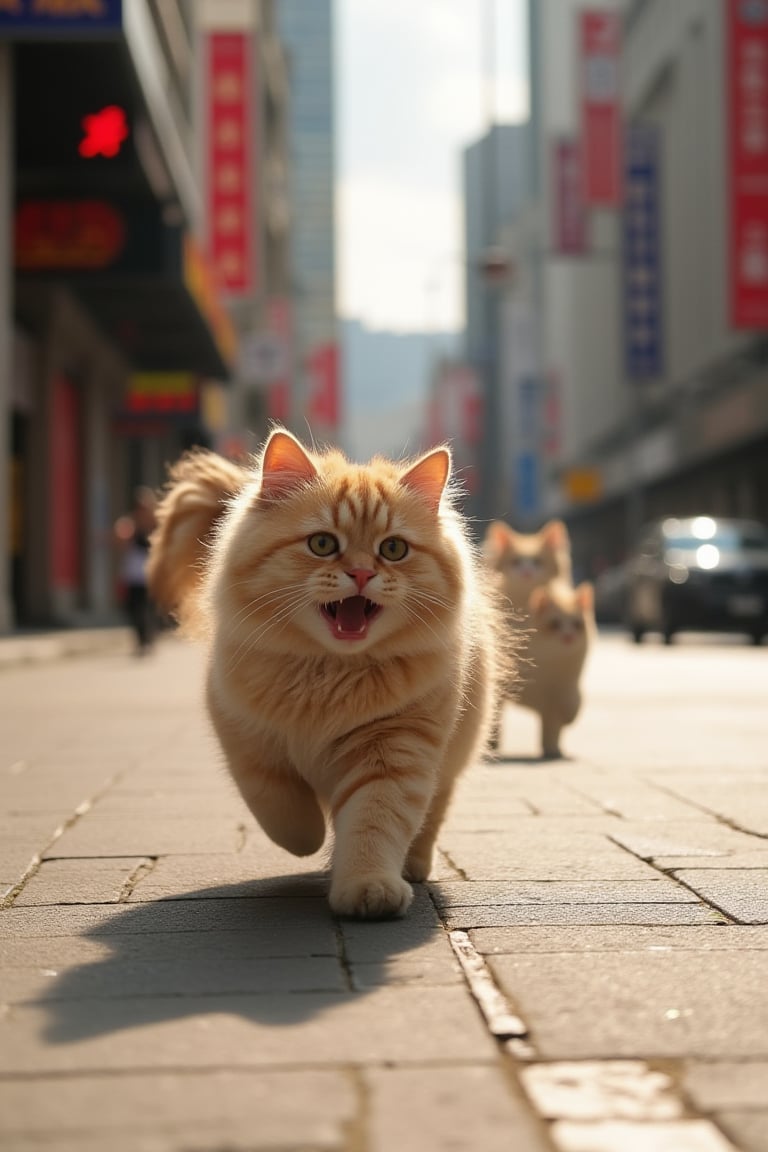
(585,972)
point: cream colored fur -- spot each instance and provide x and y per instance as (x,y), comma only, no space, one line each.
(366,734)
(562,628)
(525,561)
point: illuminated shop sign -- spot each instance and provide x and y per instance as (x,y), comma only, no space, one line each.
(77,235)
(167,393)
(57,17)
(104,132)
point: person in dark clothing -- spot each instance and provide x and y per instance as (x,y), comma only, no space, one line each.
(132,533)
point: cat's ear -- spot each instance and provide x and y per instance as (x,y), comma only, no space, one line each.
(429,476)
(585,596)
(498,538)
(285,466)
(539,599)
(555,534)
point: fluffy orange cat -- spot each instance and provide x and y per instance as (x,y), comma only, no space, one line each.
(563,625)
(525,561)
(353,670)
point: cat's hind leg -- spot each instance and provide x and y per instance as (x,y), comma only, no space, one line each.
(465,745)
(418,863)
(551,727)
(286,808)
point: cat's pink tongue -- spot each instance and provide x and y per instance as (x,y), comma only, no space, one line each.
(350,616)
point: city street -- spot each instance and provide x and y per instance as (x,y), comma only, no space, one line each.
(585,972)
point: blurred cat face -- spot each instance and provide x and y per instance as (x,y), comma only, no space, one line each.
(563,617)
(526,561)
(349,561)
(564,627)
(531,568)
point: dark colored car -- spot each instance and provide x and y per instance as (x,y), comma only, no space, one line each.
(701,573)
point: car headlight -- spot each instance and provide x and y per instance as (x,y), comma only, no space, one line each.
(707,556)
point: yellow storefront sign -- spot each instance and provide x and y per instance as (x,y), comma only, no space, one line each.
(583,485)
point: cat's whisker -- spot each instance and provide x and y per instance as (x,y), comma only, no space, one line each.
(280,617)
(413,615)
(275,596)
(267,597)
(432,598)
(279,598)
(235,625)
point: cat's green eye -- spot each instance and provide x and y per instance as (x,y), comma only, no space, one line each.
(393,548)
(323,544)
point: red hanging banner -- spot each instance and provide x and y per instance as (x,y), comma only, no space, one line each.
(570,217)
(324,400)
(229,153)
(599,48)
(747,126)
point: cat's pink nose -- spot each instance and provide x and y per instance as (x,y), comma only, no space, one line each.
(361,576)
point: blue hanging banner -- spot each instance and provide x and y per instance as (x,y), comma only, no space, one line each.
(527,484)
(643,299)
(59,18)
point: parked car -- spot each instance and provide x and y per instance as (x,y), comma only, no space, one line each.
(702,573)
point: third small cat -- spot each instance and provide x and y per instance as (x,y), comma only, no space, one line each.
(562,628)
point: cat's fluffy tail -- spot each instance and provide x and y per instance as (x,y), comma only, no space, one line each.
(196,496)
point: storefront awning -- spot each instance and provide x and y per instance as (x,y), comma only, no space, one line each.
(145,283)
(88,213)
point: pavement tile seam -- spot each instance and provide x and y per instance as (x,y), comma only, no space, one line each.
(15,888)
(141,871)
(729,918)
(712,903)
(589,1094)
(81,810)
(504,1024)
(345,963)
(719,817)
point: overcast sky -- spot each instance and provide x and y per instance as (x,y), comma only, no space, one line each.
(410,95)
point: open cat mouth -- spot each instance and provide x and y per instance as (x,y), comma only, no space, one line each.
(349,619)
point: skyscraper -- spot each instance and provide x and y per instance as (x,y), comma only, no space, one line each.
(306,31)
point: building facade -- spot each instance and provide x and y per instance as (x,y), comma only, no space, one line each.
(653,400)
(496,190)
(241,102)
(109,314)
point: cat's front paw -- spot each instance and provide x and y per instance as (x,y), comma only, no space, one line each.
(377,897)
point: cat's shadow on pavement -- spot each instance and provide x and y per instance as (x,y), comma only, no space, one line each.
(278,957)
(500,759)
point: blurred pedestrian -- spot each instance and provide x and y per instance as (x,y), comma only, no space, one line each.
(132,533)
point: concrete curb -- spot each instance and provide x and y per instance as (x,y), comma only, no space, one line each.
(58,645)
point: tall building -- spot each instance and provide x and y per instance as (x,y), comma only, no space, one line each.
(306,31)
(655,310)
(241,133)
(109,316)
(496,187)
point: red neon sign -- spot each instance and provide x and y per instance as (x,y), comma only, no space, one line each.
(104,131)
